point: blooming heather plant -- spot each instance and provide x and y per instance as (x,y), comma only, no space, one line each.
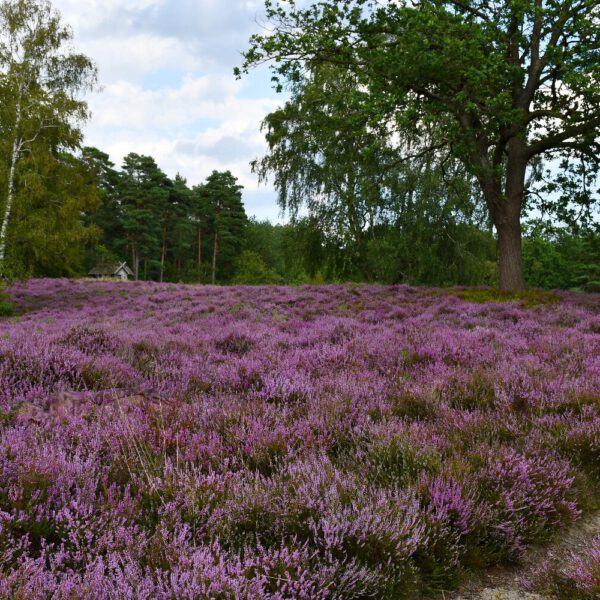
(272,442)
(572,577)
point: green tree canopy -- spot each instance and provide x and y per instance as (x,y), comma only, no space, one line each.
(222,198)
(40,80)
(498,86)
(144,196)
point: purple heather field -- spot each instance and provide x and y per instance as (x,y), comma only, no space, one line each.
(173,441)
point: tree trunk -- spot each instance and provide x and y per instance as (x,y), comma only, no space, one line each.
(508,220)
(136,261)
(510,262)
(9,201)
(16,149)
(214,260)
(506,216)
(199,248)
(163,252)
(505,210)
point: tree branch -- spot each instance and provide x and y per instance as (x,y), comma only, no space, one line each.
(558,139)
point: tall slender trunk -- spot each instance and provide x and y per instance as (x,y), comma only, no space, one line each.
(163,252)
(214,259)
(356,227)
(16,149)
(199,247)
(136,261)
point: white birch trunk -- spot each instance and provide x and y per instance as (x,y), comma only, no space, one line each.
(11,186)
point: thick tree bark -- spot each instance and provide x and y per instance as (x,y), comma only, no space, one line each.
(505,209)
(510,262)
(508,219)
(506,216)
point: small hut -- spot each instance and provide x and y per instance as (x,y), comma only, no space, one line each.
(119,271)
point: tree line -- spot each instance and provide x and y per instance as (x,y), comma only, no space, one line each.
(429,233)
(381,170)
(166,229)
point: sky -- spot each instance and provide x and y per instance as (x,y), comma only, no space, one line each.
(167,89)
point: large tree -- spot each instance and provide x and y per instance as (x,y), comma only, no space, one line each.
(175,219)
(48,236)
(108,215)
(222,197)
(325,157)
(500,86)
(144,195)
(40,79)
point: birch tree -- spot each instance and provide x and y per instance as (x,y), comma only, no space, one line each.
(41,78)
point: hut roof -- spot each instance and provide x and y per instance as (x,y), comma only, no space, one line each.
(110,270)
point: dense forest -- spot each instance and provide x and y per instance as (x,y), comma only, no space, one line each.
(82,212)
(359,207)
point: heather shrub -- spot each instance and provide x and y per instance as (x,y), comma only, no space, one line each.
(274,442)
(249,516)
(581,443)
(89,340)
(413,407)
(453,515)
(528,497)
(576,577)
(399,461)
(235,343)
(583,573)
(473,390)
(380,531)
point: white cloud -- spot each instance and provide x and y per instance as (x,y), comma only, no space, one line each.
(166,73)
(133,57)
(204,119)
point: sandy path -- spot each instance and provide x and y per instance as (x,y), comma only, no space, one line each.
(503,583)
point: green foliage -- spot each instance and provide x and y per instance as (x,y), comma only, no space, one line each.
(171,232)
(562,258)
(6,308)
(400,462)
(397,114)
(144,194)
(469,85)
(43,189)
(48,236)
(529,298)
(251,269)
(222,198)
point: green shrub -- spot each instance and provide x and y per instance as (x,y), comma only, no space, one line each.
(6,309)
(251,269)
(529,298)
(398,461)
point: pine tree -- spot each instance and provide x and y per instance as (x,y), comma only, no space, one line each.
(144,196)
(223,198)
